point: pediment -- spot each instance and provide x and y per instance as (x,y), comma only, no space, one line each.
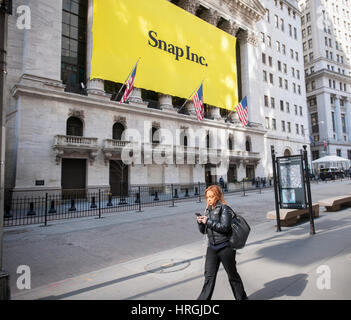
(252,8)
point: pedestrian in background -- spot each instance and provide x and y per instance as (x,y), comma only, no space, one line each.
(216,223)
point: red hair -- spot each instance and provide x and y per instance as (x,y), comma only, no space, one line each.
(217,191)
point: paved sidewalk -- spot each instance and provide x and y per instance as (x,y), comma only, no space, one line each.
(288,265)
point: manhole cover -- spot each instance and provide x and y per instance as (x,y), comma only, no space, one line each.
(167,266)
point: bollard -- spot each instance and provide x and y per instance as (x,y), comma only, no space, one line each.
(73,206)
(139,193)
(52,207)
(156,196)
(31,211)
(109,203)
(186,192)
(176,193)
(172,196)
(199,192)
(93,203)
(137,200)
(7,211)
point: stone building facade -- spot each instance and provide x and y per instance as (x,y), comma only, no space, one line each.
(66,132)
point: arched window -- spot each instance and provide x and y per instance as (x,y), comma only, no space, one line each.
(117,131)
(287,153)
(74,127)
(154,135)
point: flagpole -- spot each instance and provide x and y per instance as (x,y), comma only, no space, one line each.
(126,80)
(190,96)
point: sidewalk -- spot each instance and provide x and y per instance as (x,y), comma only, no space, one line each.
(288,265)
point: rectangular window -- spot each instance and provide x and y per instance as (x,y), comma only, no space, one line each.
(333,120)
(297,128)
(281,105)
(74,43)
(263,58)
(289,127)
(266,101)
(343,123)
(267,123)
(264,75)
(272,103)
(274,124)
(283,125)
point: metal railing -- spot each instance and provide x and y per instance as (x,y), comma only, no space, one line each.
(43,207)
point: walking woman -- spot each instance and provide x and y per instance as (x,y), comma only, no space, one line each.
(216,223)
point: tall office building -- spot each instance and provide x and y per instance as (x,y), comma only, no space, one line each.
(282,87)
(326,36)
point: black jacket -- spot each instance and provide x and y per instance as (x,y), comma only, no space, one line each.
(218,224)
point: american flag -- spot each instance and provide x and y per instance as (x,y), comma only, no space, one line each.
(199,104)
(129,86)
(242,110)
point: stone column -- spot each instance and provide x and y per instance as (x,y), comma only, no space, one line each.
(324,117)
(95,86)
(215,113)
(250,73)
(338,123)
(348,116)
(165,101)
(135,96)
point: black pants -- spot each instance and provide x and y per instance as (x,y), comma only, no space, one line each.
(225,255)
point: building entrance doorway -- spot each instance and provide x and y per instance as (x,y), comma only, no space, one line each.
(118,178)
(73,178)
(209,178)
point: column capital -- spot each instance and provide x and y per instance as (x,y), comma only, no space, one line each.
(189,5)
(211,16)
(247,36)
(230,27)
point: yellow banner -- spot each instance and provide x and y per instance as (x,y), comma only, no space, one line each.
(177,50)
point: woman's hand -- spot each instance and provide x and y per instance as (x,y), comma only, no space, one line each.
(202,219)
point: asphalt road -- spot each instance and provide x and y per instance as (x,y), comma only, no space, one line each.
(69,248)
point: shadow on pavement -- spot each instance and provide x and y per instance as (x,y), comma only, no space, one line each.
(292,286)
(308,250)
(115,281)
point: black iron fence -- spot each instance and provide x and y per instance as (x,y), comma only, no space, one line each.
(46,206)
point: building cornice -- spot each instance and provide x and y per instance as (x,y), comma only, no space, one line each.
(329,74)
(54,94)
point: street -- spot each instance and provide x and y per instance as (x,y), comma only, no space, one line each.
(70,248)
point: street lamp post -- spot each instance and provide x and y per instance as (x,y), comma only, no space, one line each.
(5,10)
